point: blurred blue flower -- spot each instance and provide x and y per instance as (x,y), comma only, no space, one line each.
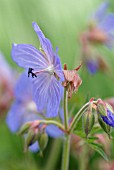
(100,30)
(98,15)
(24,109)
(92,66)
(45,68)
(102,26)
(109,119)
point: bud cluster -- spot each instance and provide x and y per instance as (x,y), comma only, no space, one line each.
(105,116)
(34,132)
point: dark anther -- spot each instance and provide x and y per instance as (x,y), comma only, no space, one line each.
(30,72)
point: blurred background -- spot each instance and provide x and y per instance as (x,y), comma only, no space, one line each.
(62,21)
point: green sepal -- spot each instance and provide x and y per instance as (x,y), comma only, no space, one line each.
(88,120)
(102,110)
(24,128)
(104,126)
(109,107)
(43,141)
(32,136)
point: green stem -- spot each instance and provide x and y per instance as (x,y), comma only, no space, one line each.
(78,116)
(53,158)
(66,153)
(65,109)
(47,122)
(66,144)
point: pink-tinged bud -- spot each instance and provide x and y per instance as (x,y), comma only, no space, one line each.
(101,107)
(88,119)
(72,80)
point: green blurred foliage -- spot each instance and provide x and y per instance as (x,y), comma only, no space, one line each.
(62,21)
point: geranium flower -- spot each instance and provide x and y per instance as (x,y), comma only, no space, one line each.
(23,107)
(45,67)
(24,110)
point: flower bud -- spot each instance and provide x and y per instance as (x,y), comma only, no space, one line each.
(32,136)
(109,107)
(43,140)
(101,108)
(105,111)
(24,128)
(88,120)
(104,126)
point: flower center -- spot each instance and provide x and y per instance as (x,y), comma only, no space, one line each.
(31,106)
(49,69)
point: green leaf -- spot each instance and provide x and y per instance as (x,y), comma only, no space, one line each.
(80,133)
(78,126)
(96,130)
(97,147)
(91,139)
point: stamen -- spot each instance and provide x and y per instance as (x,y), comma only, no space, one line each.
(49,69)
(30,72)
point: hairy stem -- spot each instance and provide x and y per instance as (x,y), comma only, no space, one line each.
(66,142)
(78,116)
(65,109)
(48,122)
(66,153)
